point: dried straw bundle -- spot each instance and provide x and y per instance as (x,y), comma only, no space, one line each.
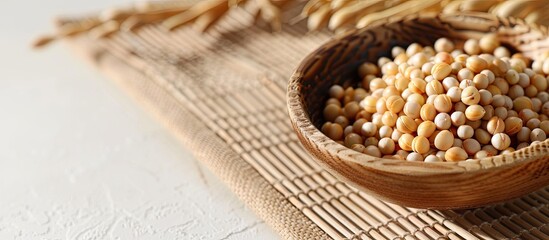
(336,15)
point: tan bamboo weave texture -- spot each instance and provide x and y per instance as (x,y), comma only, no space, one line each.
(223,94)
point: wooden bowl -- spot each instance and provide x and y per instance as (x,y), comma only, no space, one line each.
(443,185)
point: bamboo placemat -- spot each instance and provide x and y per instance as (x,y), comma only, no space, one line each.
(223,94)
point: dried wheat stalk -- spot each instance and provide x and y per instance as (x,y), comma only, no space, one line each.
(337,15)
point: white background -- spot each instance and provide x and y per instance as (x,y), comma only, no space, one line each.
(80,160)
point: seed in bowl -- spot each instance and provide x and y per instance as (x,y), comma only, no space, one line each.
(439,103)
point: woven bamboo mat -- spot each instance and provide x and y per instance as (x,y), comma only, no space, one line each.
(223,94)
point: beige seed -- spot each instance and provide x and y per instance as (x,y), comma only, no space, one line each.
(441,70)
(460,107)
(544,125)
(434,88)
(455,154)
(333,131)
(533,123)
(401,83)
(471,146)
(444,45)
(465,132)
(377,83)
(524,134)
(522,145)
(512,113)
(395,51)
(512,125)
(369,104)
(450,82)
(394,104)
(501,52)
(401,154)
(481,154)
(417,85)
(488,43)
(336,92)
(406,124)
(492,151)
(444,140)
(443,121)
(440,155)
(412,109)
(428,112)
(470,95)
(502,84)
(415,97)
(389,68)
(333,101)
(474,112)
(431,99)
(471,47)
(331,111)
(466,83)
(418,59)
(444,57)
(347,130)
(373,151)
(482,136)
(465,73)
(476,64)
(489,74)
(432,158)
(515,91)
(494,90)
(536,104)
(495,125)
(367,68)
(371,141)
(351,109)
(405,142)
(420,145)
(426,129)
(443,103)
(385,132)
(498,101)
(358,147)
(386,146)
(512,76)
(540,82)
(537,135)
(414,157)
(377,119)
(489,112)
(501,141)
(454,93)
(508,102)
(473,124)
(427,67)
(342,120)
(485,97)
(413,49)
(456,66)
(481,81)
(458,118)
(389,119)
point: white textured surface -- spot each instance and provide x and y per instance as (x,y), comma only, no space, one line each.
(80,160)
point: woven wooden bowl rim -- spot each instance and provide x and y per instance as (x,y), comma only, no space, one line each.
(325,149)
